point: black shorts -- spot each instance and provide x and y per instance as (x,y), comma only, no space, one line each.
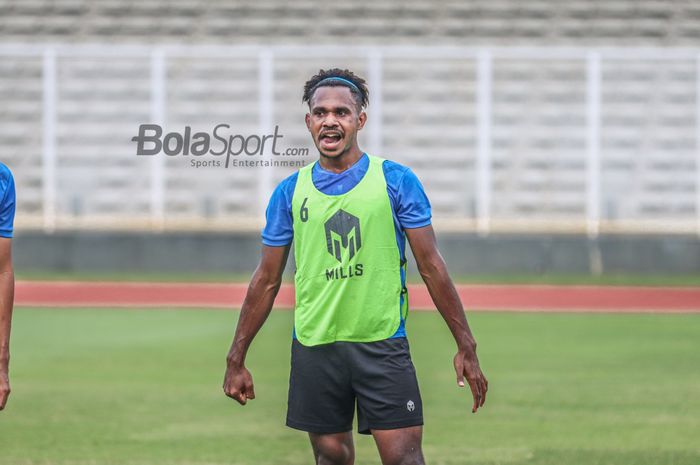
(327,380)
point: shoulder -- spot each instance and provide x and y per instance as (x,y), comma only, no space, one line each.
(287,185)
(5,173)
(391,166)
(290,180)
(395,173)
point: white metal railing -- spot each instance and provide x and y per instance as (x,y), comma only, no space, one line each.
(484,58)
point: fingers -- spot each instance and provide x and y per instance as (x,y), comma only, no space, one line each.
(240,396)
(475,385)
(484,389)
(238,385)
(476,393)
(459,369)
(475,378)
(480,387)
(247,393)
(3,398)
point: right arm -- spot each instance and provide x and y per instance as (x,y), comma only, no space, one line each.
(263,288)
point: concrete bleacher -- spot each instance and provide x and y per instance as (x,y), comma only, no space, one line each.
(429,117)
(366,21)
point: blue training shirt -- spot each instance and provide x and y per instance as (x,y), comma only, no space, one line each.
(7,201)
(410,205)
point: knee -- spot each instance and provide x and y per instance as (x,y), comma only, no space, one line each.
(334,453)
(409,456)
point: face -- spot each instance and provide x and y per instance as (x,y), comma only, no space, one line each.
(334,120)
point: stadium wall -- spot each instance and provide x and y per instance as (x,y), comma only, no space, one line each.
(466,254)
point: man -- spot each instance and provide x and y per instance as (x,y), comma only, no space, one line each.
(349,214)
(7,277)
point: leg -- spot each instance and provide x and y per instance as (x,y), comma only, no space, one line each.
(386,387)
(400,446)
(320,399)
(333,449)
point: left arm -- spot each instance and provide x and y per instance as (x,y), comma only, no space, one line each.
(7,288)
(433,270)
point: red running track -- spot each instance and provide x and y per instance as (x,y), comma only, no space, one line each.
(535,298)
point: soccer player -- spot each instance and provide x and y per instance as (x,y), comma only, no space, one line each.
(349,214)
(7,277)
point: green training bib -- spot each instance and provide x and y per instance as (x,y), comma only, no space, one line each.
(348,276)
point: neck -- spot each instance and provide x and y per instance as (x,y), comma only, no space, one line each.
(342,162)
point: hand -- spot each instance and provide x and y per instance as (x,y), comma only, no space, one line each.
(4,388)
(467,364)
(238,384)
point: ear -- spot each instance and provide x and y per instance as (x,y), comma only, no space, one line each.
(307,118)
(362,118)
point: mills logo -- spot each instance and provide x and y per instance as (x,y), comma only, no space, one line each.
(343,234)
(343,230)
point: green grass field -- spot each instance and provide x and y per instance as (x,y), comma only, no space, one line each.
(134,387)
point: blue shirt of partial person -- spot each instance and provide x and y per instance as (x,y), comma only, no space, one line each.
(7,201)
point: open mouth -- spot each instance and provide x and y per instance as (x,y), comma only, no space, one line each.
(330,140)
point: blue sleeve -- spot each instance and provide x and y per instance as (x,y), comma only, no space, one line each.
(278,229)
(7,203)
(411,205)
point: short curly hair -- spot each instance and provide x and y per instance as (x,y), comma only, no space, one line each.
(358,88)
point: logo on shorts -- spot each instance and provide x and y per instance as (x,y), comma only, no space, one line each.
(410,406)
(343,232)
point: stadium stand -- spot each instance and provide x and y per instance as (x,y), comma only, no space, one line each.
(425,104)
